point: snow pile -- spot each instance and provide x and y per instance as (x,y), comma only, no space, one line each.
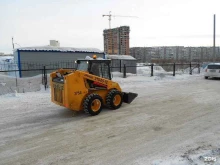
(10,85)
(21,85)
(144,64)
(144,75)
(88,58)
(136,81)
(187,70)
(146,70)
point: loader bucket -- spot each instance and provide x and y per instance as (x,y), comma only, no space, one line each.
(129,97)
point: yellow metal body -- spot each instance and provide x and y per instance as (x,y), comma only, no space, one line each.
(72,92)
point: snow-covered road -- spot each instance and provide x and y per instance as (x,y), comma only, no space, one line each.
(172,121)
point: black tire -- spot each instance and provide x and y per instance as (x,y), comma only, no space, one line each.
(206,77)
(89,107)
(110,99)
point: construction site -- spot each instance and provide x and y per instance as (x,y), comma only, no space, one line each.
(116,40)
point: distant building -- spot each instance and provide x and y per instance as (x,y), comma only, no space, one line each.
(3,54)
(119,61)
(175,54)
(34,58)
(116,41)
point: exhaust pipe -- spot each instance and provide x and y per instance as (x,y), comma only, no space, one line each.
(129,97)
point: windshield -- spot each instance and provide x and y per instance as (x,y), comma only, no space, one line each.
(213,66)
(82,65)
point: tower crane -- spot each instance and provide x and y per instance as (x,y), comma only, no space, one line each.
(110,17)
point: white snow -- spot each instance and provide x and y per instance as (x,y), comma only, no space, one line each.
(88,58)
(174,120)
(146,70)
(9,85)
(170,122)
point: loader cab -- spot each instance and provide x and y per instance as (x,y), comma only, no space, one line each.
(99,68)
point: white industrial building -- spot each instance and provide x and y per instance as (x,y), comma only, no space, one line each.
(33,58)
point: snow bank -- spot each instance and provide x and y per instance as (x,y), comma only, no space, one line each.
(146,70)
(88,58)
(194,70)
(21,85)
(10,85)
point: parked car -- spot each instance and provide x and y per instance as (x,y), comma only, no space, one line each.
(212,70)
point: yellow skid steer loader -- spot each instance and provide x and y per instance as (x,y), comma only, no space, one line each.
(89,87)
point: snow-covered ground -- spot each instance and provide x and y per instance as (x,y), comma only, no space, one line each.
(174,120)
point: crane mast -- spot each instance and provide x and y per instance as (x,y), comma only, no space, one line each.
(109,18)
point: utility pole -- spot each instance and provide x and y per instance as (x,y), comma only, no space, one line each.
(13,43)
(214,40)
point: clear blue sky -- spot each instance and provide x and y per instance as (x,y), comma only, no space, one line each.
(79,23)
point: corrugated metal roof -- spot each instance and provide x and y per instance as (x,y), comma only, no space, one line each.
(59,49)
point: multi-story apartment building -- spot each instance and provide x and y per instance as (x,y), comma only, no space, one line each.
(116,41)
(175,54)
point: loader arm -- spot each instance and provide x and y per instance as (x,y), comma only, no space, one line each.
(101,82)
(128,97)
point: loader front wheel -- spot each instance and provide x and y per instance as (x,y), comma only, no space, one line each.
(114,99)
(92,104)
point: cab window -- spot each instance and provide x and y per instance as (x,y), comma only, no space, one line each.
(100,69)
(82,65)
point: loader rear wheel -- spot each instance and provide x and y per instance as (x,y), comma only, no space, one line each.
(92,104)
(114,99)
